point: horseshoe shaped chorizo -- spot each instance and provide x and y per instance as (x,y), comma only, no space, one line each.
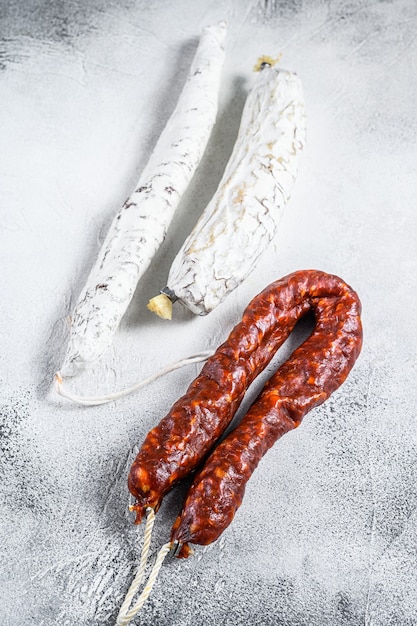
(186,436)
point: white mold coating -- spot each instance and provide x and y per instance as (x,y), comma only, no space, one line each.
(141,224)
(243,216)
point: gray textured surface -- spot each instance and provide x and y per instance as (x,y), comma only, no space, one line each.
(327,533)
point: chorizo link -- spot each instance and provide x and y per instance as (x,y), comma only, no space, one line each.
(315,369)
(180,442)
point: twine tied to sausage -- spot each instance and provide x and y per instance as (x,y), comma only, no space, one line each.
(126,614)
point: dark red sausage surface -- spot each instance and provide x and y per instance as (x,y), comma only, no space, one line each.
(305,380)
(183,439)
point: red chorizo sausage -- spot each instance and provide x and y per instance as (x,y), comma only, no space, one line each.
(305,380)
(181,441)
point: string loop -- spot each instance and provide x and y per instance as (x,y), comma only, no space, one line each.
(110,397)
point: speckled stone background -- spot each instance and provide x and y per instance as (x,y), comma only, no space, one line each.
(327,533)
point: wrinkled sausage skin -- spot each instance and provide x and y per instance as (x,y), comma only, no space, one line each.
(314,370)
(185,437)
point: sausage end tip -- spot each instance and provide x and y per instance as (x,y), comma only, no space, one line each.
(161,305)
(58,378)
(266,61)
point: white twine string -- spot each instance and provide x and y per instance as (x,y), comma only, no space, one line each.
(110,397)
(125,614)
(150,520)
(125,618)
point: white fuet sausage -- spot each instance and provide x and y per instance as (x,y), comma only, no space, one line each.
(243,216)
(140,226)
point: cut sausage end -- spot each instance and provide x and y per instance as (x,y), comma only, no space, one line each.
(162,306)
(185,551)
(141,510)
(266,61)
(181,550)
(58,378)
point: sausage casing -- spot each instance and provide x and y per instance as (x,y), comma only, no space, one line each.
(314,370)
(185,437)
